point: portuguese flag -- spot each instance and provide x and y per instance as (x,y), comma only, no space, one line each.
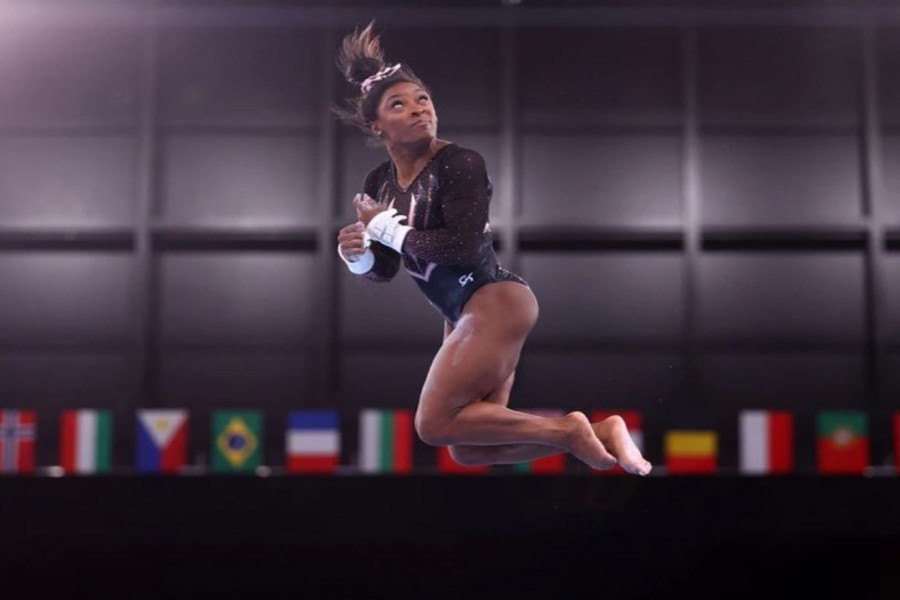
(385,441)
(691,451)
(843,442)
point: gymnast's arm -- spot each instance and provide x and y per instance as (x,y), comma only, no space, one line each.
(465,204)
(372,260)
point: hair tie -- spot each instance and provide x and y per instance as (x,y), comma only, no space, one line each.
(384,73)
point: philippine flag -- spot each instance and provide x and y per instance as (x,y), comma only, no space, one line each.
(161,440)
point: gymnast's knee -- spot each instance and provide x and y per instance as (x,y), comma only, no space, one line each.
(467,456)
(431,430)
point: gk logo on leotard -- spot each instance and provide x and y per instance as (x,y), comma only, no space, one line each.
(465,279)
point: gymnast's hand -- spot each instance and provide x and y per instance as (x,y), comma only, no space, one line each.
(353,241)
(367,207)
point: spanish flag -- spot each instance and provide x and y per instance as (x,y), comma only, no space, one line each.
(691,451)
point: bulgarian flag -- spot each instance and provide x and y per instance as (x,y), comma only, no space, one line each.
(767,439)
(691,451)
(843,442)
(633,422)
(85,444)
(446,464)
(385,441)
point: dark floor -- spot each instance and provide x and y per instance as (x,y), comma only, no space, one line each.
(450,537)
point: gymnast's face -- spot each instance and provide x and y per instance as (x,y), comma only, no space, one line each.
(405,115)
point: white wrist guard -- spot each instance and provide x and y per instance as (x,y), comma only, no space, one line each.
(385,227)
(361,265)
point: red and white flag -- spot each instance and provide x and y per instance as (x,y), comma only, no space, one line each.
(767,442)
(18,430)
(635,425)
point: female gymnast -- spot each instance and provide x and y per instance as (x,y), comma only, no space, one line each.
(427,207)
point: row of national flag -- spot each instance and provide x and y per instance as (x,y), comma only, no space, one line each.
(386,440)
(767,444)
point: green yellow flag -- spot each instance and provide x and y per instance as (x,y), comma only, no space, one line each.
(236,440)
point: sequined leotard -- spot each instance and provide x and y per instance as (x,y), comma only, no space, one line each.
(449,253)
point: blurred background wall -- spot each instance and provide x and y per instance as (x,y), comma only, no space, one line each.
(704,198)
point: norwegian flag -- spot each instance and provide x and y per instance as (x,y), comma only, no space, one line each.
(18,430)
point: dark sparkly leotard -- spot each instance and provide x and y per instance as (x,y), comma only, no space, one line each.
(449,253)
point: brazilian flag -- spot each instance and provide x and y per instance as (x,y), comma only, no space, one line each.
(236,440)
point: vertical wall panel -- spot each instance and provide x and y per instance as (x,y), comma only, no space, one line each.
(601,181)
(780,180)
(236,77)
(53,181)
(888,57)
(385,313)
(239,181)
(804,297)
(58,298)
(236,299)
(785,76)
(578,77)
(618,296)
(69,76)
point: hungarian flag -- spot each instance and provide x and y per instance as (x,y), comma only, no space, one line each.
(385,441)
(691,451)
(767,442)
(634,423)
(85,441)
(162,436)
(313,441)
(843,442)
(446,465)
(18,431)
(547,465)
(236,440)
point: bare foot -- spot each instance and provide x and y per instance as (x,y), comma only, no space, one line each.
(585,445)
(613,433)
